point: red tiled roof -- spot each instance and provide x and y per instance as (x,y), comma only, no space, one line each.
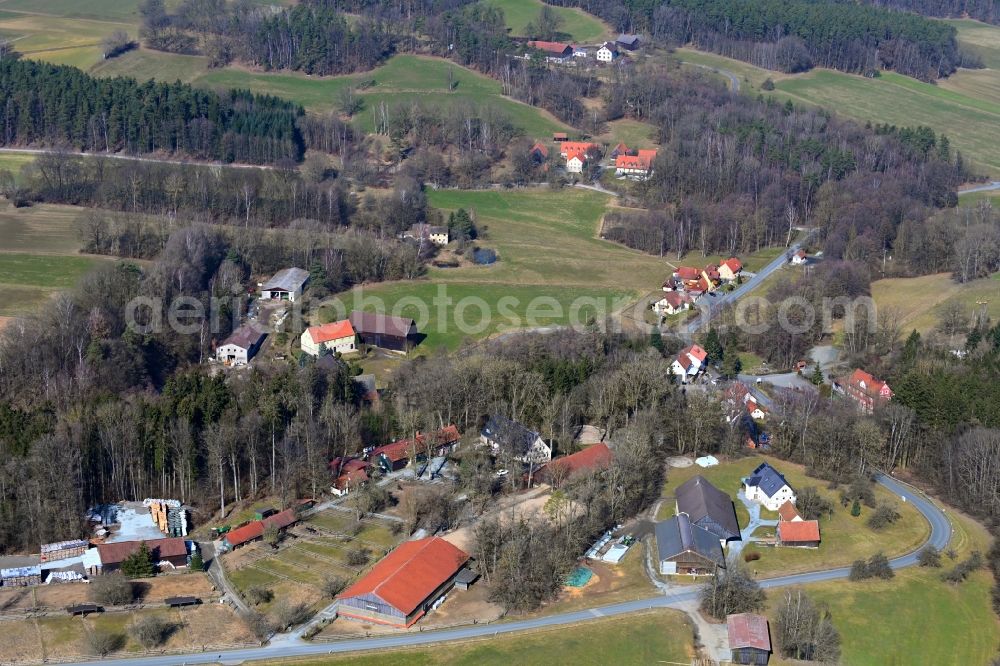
(568,147)
(255,529)
(557,48)
(348,465)
(591,458)
(805,530)
(115,553)
(688,273)
(787,511)
(400,449)
(631,162)
(873,386)
(332,331)
(747,630)
(646,153)
(676,299)
(539,148)
(621,148)
(734,264)
(578,154)
(408,575)
(697,352)
(752,406)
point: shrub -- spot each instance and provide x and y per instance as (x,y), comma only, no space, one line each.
(877,566)
(151,630)
(767,85)
(112,590)
(288,615)
(333,586)
(856,509)
(929,557)
(258,595)
(103,642)
(358,557)
(258,625)
(732,591)
(963,569)
(885,514)
(811,505)
(750,556)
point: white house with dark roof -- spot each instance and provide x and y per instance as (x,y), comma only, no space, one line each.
(768,487)
(286,285)
(240,346)
(507,436)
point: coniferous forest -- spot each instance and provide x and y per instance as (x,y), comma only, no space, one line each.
(793,35)
(51,105)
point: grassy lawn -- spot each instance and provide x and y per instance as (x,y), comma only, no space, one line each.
(101,10)
(920,300)
(40,229)
(548,250)
(50,271)
(143,64)
(653,637)
(915,618)
(14,161)
(247,577)
(634,133)
(59,40)
(965,107)
(845,538)
(752,262)
(577,25)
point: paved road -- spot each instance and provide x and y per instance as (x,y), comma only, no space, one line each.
(710,306)
(995,185)
(136,158)
(291,645)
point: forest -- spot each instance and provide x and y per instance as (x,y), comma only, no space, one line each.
(793,35)
(54,105)
(987,11)
(309,37)
(735,174)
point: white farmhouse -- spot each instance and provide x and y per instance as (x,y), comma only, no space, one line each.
(768,487)
(338,336)
(240,346)
(607,53)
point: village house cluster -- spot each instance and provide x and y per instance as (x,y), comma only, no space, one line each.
(693,541)
(605,53)
(347,336)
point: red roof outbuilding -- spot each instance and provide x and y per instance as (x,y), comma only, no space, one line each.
(160,549)
(596,457)
(408,576)
(748,630)
(255,529)
(802,531)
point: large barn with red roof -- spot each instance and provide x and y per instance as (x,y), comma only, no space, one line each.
(400,589)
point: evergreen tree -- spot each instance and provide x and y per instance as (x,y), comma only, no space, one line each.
(713,346)
(139,564)
(817,375)
(856,508)
(197,563)
(731,364)
(911,348)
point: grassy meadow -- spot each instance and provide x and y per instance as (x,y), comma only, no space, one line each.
(965,106)
(575,24)
(402,80)
(845,538)
(39,255)
(915,619)
(919,301)
(547,246)
(653,637)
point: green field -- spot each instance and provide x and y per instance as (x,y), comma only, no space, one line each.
(39,255)
(548,249)
(654,637)
(919,301)
(403,80)
(965,106)
(845,538)
(62,41)
(577,25)
(915,619)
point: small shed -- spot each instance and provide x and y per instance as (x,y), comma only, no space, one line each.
(84,609)
(178,602)
(261,514)
(465,578)
(749,639)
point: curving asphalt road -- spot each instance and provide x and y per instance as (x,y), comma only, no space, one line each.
(290,645)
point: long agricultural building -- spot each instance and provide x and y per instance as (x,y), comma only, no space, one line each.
(404,585)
